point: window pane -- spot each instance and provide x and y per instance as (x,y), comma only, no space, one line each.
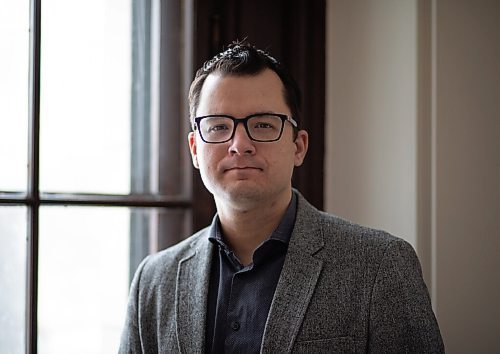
(87,257)
(85,96)
(12,278)
(83,278)
(14,68)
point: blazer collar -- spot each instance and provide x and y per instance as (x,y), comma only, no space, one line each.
(297,282)
(191,294)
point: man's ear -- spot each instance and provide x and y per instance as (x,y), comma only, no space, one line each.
(301,144)
(193,148)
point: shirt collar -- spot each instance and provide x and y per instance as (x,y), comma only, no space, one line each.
(282,233)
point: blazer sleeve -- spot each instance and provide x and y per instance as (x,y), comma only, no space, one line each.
(131,339)
(401,316)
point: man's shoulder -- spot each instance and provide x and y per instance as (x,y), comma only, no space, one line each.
(343,243)
(340,232)
(347,229)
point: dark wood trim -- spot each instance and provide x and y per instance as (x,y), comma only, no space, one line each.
(304,55)
(294,32)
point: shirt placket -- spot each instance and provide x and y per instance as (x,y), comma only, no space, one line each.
(236,312)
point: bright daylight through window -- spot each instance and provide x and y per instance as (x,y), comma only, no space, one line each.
(84,147)
(14,58)
(84,204)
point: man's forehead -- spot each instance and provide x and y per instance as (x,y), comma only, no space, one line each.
(260,91)
(263,75)
(265,82)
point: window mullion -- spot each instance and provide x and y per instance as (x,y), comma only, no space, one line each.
(33,177)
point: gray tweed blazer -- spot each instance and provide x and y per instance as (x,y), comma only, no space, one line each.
(344,288)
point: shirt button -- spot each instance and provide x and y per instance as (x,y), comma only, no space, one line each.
(235,325)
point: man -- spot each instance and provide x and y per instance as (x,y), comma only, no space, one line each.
(271,274)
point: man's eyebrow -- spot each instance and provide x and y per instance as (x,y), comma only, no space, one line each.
(251,114)
(267,112)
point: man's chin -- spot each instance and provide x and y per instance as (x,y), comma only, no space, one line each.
(243,191)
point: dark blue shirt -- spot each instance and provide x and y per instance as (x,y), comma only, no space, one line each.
(239,297)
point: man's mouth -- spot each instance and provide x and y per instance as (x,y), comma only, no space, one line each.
(242,168)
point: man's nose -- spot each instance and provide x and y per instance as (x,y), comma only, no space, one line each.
(241,142)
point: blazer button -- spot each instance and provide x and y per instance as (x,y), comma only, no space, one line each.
(235,325)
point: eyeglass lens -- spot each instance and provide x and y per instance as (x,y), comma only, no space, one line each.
(262,128)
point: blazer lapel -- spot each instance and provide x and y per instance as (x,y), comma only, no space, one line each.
(191,296)
(297,282)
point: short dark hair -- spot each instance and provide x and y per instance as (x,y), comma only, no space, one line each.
(243,59)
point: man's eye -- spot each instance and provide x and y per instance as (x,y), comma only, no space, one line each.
(263,125)
(217,128)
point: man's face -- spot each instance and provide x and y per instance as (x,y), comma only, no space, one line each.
(242,171)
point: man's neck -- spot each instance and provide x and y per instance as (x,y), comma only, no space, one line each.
(245,229)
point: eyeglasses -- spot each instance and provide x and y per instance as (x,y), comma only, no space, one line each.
(262,127)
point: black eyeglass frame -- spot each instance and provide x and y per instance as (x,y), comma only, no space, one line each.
(236,121)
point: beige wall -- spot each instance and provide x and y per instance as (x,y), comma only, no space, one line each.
(413,132)
(467,116)
(371,109)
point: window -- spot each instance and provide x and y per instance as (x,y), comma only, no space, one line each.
(94,167)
